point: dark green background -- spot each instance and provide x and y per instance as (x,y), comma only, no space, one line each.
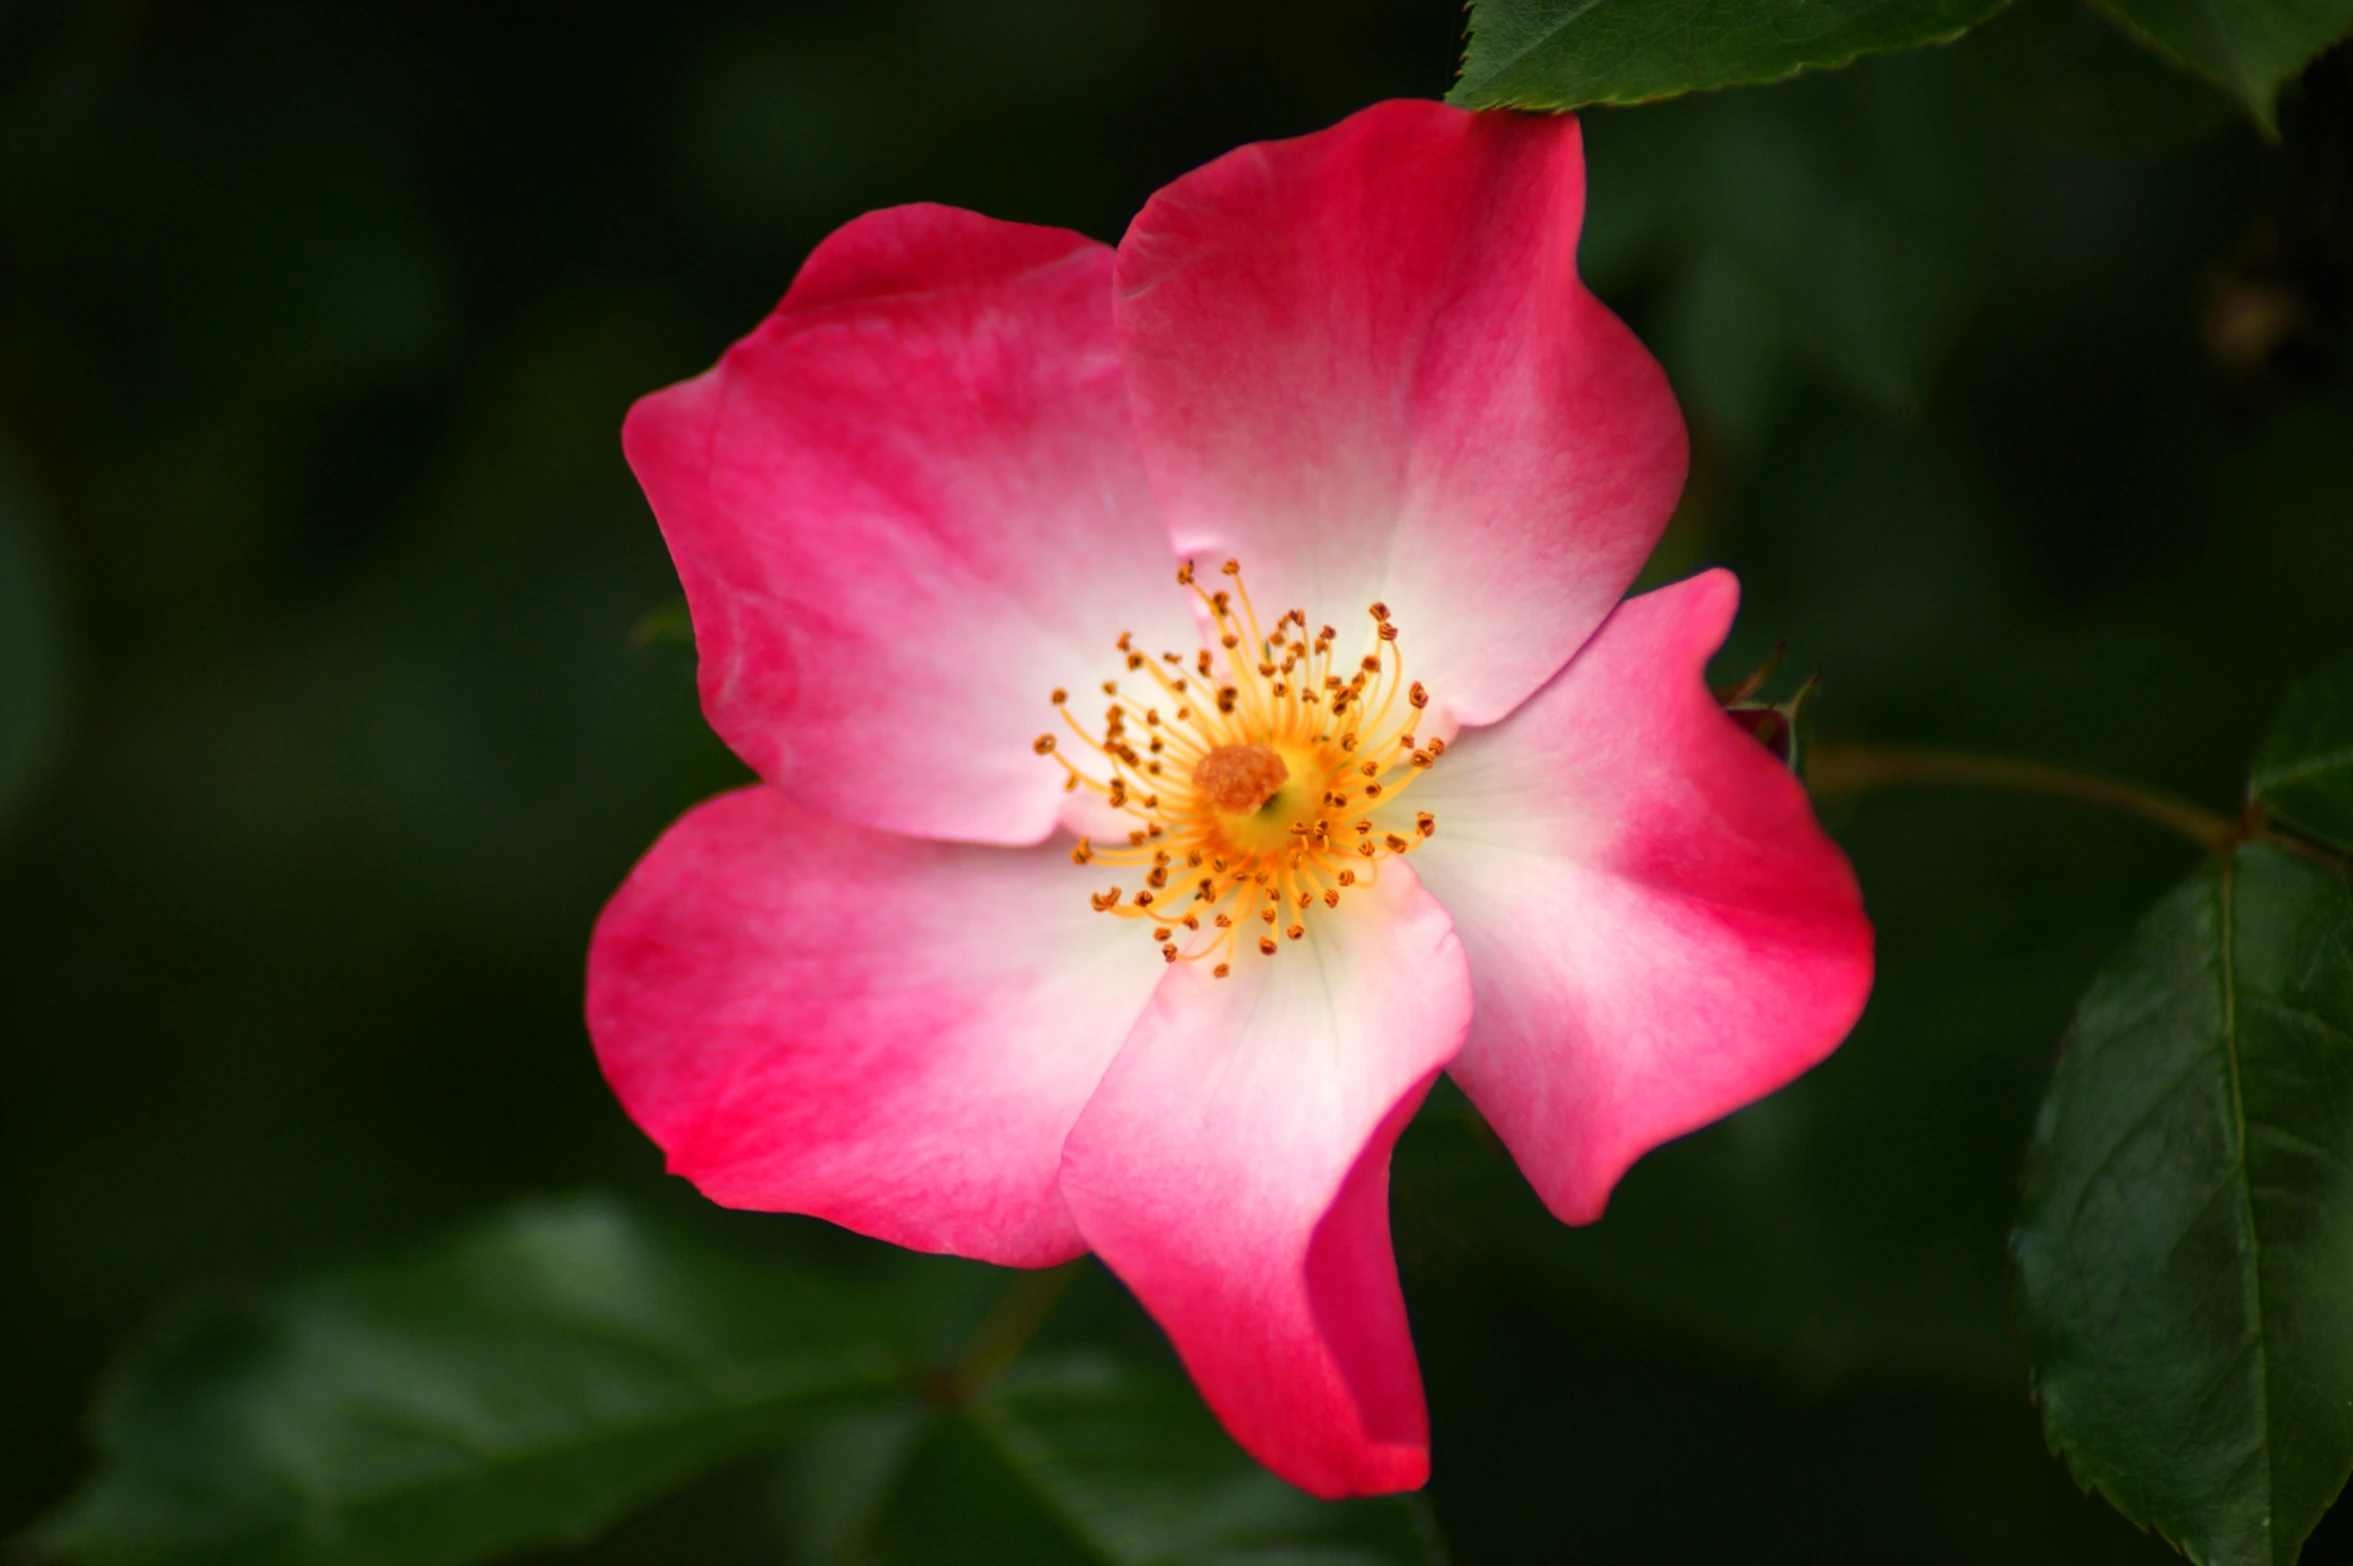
(316,328)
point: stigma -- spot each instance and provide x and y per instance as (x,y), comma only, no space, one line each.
(1248,774)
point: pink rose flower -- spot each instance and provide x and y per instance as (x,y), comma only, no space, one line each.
(1096,897)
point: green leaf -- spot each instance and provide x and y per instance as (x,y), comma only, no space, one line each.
(1564,54)
(1085,1458)
(2303,773)
(32,656)
(530,1378)
(2185,1249)
(2249,47)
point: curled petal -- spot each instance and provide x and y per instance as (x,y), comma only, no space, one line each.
(891,1033)
(1659,932)
(1362,362)
(1233,1169)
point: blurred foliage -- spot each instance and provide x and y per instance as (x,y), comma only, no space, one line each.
(2057,68)
(531,1378)
(2019,401)
(32,656)
(1838,225)
(1080,1457)
(541,1373)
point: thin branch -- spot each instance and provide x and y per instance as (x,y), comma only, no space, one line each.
(1855,769)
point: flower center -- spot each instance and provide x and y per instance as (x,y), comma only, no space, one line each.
(1249,773)
(1235,780)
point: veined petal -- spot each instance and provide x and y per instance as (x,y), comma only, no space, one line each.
(1233,1170)
(905,509)
(891,1033)
(1659,932)
(1362,362)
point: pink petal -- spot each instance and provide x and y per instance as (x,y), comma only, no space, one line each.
(1233,1169)
(1658,930)
(905,509)
(891,1033)
(1363,364)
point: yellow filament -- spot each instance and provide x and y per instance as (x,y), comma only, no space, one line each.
(1212,876)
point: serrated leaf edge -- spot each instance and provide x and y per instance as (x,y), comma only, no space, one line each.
(1458,96)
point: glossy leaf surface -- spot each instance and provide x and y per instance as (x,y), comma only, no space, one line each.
(530,1379)
(1564,54)
(2186,1247)
(2250,47)
(1083,1457)
(2303,774)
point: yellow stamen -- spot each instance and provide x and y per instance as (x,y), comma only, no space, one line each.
(1258,789)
